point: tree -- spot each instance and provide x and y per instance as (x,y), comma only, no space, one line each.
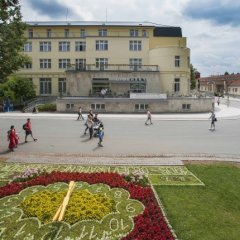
(17,89)
(192,76)
(11,38)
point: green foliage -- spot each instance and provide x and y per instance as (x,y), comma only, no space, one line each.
(192,76)
(11,40)
(17,88)
(207,213)
(50,107)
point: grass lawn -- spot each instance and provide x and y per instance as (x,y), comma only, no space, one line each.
(210,212)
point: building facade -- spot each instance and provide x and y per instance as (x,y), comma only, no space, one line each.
(119,56)
(82,62)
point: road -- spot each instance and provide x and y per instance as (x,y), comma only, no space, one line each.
(127,137)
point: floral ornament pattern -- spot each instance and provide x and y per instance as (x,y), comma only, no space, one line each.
(138,215)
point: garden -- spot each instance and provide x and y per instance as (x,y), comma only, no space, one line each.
(103,202)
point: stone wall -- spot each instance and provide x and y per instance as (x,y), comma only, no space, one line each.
(127,105)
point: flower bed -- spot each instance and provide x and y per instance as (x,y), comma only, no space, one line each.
(150,224)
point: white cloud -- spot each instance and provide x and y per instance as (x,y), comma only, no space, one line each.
(214,45)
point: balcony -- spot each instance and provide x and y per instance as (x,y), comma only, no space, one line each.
(112,68)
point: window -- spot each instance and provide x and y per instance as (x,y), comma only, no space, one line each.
(63,63)
(186,107)
(27,66)
(176,85)
(101,63)
(80,64)
(45,46)
(66,33)
(133,33)
(82,33)
(101,45)
(141,107)
(62,85)
(69,106)
(177,61)
(98,106)
(80,46)
(64,46)
(144,33)
(30,33)
(102,32)
(27,47)
(45,85)
(45,63)
(137,87)
(135,63)
(135,45)
(49,33)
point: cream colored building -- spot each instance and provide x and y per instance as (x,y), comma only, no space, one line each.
(142,66)
(116,52)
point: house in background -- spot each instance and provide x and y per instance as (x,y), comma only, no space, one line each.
(221,84)
(111,66)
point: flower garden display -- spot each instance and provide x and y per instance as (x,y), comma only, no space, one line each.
(102,206)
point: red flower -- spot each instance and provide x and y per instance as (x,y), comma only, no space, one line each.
(148,225)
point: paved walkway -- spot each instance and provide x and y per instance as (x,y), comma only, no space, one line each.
(222,112)
(78,159)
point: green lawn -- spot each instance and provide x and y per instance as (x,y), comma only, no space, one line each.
(210,212)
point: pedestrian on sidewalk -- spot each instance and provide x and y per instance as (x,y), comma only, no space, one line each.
(80,114)
(11,138)
(149,118)
(101,134)
(218,101)
(213,120)
(28,130)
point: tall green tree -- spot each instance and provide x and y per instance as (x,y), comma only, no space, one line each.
(193,77)
(17,89)
(11,38)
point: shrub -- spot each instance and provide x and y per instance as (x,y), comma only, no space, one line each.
(50,107)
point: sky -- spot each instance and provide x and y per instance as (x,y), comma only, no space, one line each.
(212,27)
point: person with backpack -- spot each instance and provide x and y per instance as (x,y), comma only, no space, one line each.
(28,130)
(11,138)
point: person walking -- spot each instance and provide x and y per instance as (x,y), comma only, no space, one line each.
(80,114)
(101,134)
(89,126)
(213,120)
(218,101)
(11,138)
(28,130)
(149,118)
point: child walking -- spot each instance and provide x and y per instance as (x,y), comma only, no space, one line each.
(101,134)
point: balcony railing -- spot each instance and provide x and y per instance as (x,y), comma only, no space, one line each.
(113,67)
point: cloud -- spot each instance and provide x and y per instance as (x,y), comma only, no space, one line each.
(51,8)
(210,26)
(218,11)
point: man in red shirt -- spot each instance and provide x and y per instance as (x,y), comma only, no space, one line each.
(28,130)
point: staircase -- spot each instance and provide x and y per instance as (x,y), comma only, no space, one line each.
(38,101)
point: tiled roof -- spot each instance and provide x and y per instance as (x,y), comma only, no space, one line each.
(233,78)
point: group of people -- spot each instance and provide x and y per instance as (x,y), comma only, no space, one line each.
(13,136)
(93,125)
